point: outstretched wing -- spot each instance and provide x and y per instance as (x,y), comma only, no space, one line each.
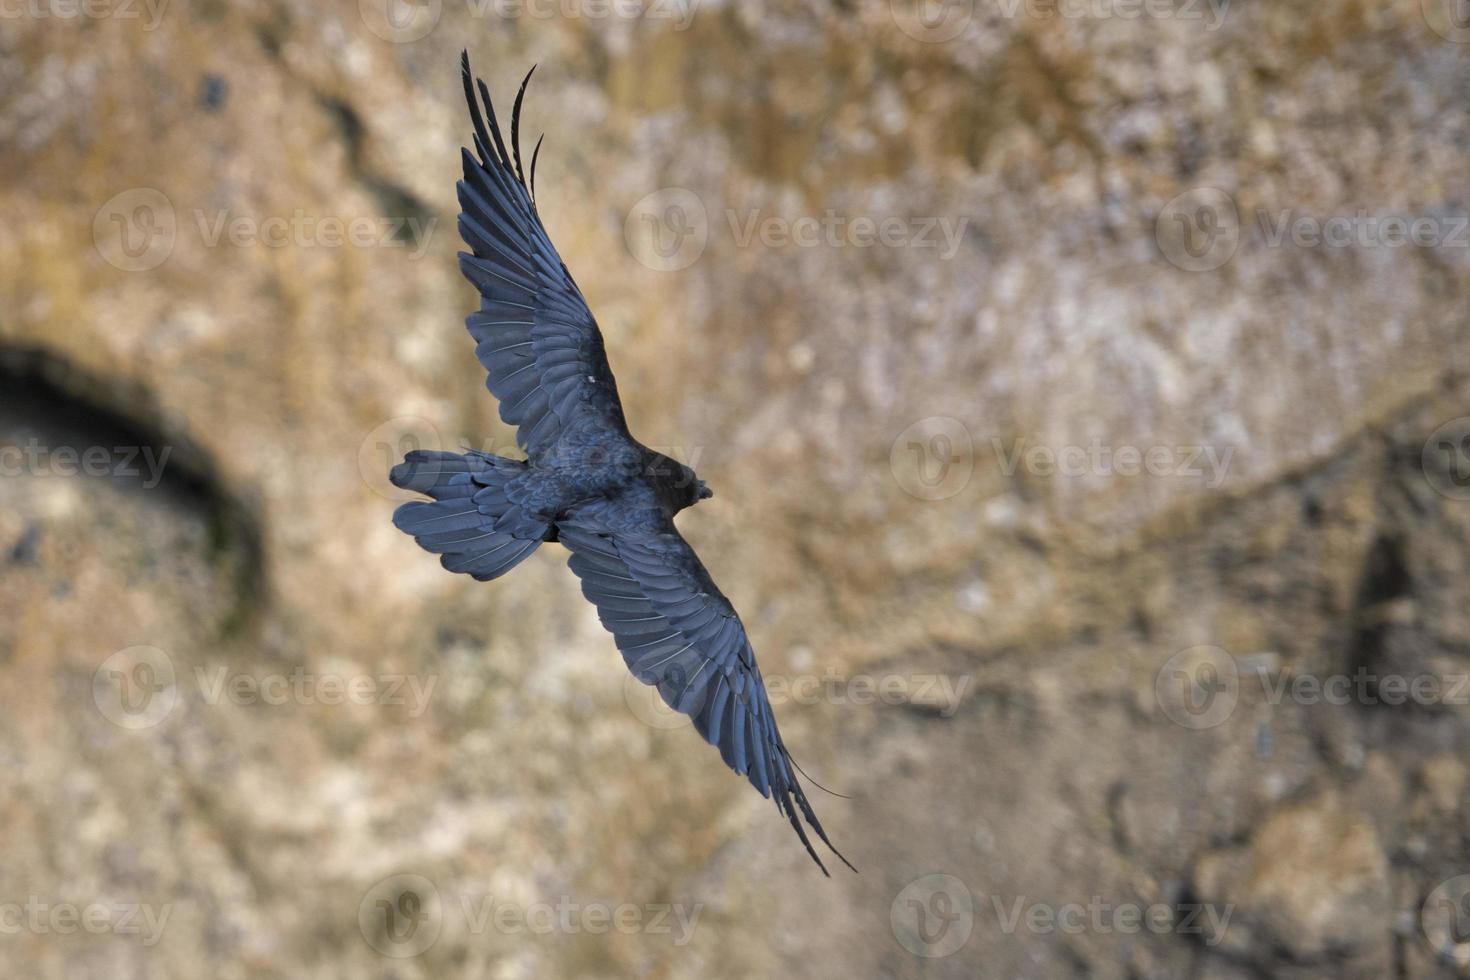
(677,630)
(534,333)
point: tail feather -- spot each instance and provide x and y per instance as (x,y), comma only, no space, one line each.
(472,520)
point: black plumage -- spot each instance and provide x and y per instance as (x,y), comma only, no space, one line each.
(586,482)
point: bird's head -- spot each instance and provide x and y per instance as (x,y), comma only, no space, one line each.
(678,486)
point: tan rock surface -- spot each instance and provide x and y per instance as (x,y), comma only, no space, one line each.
(807,381)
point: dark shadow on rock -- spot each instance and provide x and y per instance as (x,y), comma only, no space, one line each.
(99,428)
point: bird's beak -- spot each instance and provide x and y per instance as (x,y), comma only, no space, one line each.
(705,492)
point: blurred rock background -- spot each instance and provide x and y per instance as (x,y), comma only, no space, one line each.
(1056,683)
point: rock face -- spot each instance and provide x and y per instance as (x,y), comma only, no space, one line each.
(1082,389)
(1312,885)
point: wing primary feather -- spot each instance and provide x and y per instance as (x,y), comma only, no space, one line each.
(494,123)
(469,94)
(801,832)
(515,125)
(759,777)
(809,779)
(809,813)
(534,154)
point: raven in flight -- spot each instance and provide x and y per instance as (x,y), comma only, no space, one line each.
(586,482)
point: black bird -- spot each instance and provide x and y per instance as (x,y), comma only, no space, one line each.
(586,482)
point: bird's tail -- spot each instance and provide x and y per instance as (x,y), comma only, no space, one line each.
(474,519)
